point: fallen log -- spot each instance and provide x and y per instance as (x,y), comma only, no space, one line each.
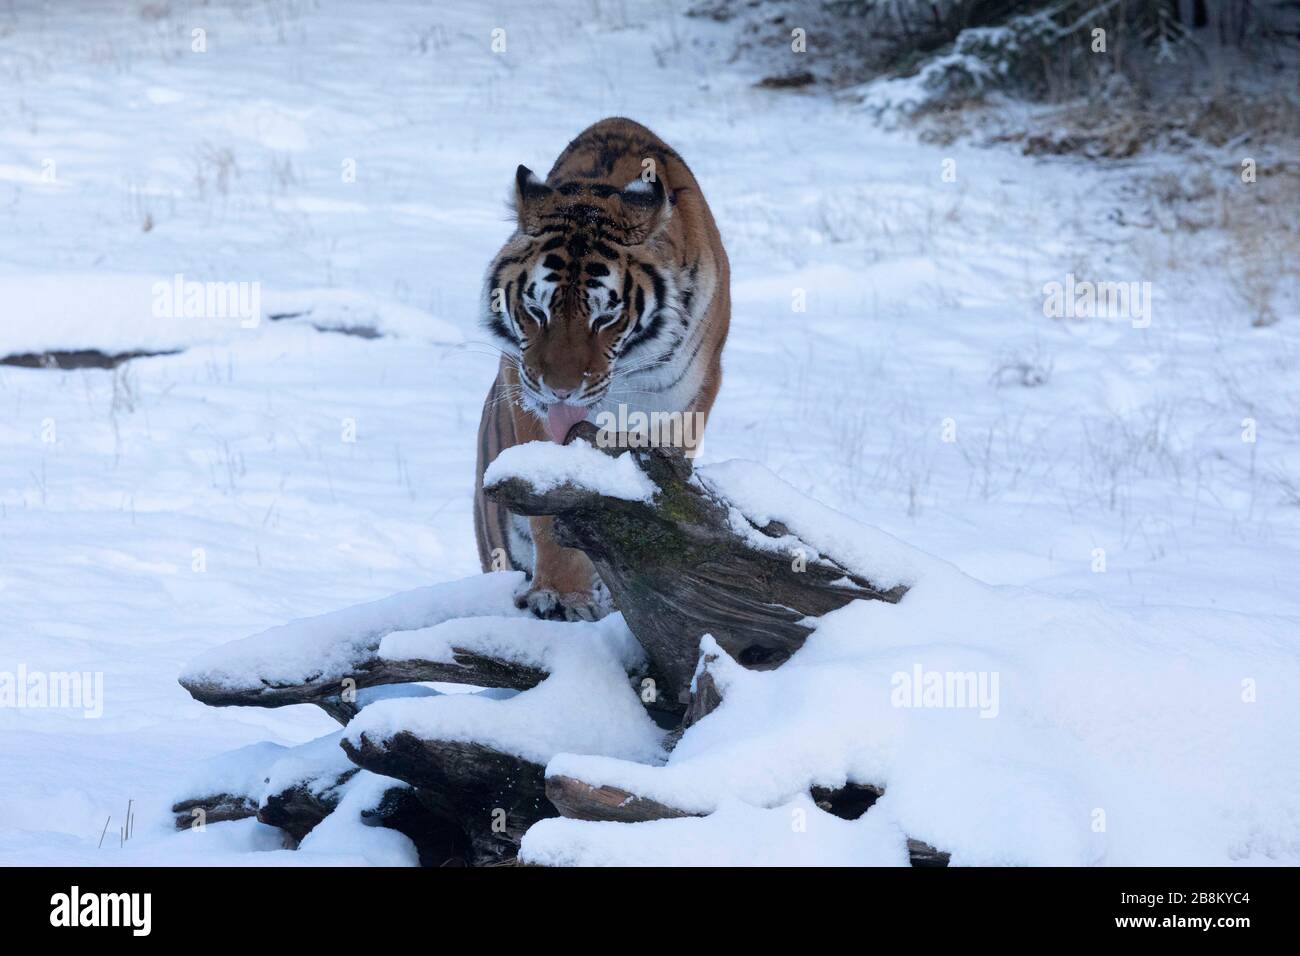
(702,698)
(705,695)
(213,808)
(492,796)
(924,855)
(325,659)
(678,567)
(579,800)
(467,667)
(298,808)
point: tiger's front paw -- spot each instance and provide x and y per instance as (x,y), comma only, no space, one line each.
(549,604)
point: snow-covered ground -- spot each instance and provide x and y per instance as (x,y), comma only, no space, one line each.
(355,162)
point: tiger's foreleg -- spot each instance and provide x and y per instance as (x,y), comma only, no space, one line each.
(565,585)
(564,582)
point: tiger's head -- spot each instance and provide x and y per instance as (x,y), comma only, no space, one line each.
(583,293)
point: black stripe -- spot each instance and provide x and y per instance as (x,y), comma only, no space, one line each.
(657,280)
(498,327)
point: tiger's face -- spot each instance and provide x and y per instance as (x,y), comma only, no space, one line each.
(578,298)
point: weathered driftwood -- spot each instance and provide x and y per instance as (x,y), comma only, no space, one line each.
(438,840)
(468,667)
(580,800)
(703,697)
(677,570)
(492,796)
(338,708)
(216,808)
(297,809)
(922,854)
(704,693)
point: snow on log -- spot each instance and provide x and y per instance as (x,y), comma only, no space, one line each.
(226,787)
(296,810)
(579,800)
(296,789)
(305,785)
(720,573)
(587,702)
(317,659)
(481,760)
(739,555)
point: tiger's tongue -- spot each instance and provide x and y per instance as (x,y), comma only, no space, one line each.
(560,417)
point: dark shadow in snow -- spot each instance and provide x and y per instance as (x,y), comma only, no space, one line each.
(66,359)
(849,801)
(787,81)
(77,358)
(359,331)
(852,800)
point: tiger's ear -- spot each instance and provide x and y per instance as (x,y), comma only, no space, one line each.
(648,207)
(529,192)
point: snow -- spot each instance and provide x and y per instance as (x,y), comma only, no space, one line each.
(546,466)
(117,313)
(344,831)
(344,838)
(756,497)
(316,765)
(335,644)
(525,641)
(239,773)
(1095,745)
(342,310)
(90,311)
(797,834)
(587,704)
(152,513)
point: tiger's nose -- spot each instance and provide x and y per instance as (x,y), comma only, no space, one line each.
(563,384)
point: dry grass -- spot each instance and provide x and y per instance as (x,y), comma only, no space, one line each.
(1117,128)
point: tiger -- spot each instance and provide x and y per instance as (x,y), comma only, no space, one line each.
(614,289)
